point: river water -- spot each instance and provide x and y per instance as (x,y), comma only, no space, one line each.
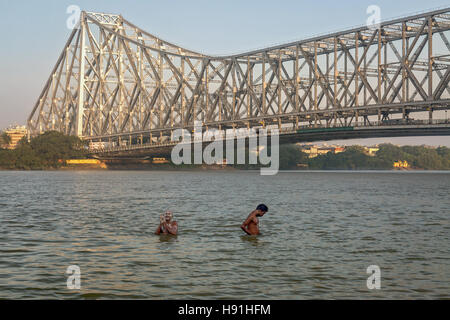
(321,233)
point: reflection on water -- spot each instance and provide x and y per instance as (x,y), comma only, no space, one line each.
(167,238)
(322,231)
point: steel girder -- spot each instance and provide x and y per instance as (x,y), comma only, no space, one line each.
(115,81)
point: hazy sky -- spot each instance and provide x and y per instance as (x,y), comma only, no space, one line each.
(33,34)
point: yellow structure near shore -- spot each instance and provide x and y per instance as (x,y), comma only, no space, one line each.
(86,162)
(401,164)
(160,160)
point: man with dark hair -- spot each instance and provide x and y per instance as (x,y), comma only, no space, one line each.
(251,225)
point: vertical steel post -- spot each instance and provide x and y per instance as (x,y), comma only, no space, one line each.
(82,58)
(430,66)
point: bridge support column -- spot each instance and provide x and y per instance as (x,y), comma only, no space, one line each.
(80,107)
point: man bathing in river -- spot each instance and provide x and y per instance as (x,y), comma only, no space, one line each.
(251,225)
(167,225)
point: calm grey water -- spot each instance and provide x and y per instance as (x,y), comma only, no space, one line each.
(322,231)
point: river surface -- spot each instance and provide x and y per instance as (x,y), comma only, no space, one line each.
(323,230)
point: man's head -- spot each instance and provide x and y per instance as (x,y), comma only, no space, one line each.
(168,216)
(262,208)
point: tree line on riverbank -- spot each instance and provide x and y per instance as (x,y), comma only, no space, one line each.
(49,150)
(355,158)
(42,152)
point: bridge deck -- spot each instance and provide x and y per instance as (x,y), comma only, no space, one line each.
(303,134)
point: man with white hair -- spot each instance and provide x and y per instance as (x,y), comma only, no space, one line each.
(167,225)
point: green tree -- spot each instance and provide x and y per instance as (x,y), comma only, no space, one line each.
(391,153)
(5,139)
(352,158)
(53,146)
(290,156)
(42,152)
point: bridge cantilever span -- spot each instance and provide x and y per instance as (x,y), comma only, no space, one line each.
(123,87)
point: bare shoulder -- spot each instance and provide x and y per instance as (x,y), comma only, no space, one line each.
(252,216)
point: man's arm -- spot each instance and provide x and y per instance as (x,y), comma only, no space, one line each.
(246,223)
(158,230)
(172,228)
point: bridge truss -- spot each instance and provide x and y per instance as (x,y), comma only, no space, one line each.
(114,82)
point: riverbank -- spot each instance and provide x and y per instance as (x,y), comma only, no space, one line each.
(53,150)
(148,167)
(206,168)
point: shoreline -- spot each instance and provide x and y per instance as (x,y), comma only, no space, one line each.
(215,169)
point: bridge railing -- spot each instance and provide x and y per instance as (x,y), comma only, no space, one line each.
(389,122)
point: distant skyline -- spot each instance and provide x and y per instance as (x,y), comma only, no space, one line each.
(34,33)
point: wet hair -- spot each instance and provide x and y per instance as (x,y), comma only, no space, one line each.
(262,207)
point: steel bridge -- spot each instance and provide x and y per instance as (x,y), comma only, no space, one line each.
(127,90)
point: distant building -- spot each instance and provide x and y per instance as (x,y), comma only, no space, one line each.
(311,151)
(371,151)
(314,151)
(16,133)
